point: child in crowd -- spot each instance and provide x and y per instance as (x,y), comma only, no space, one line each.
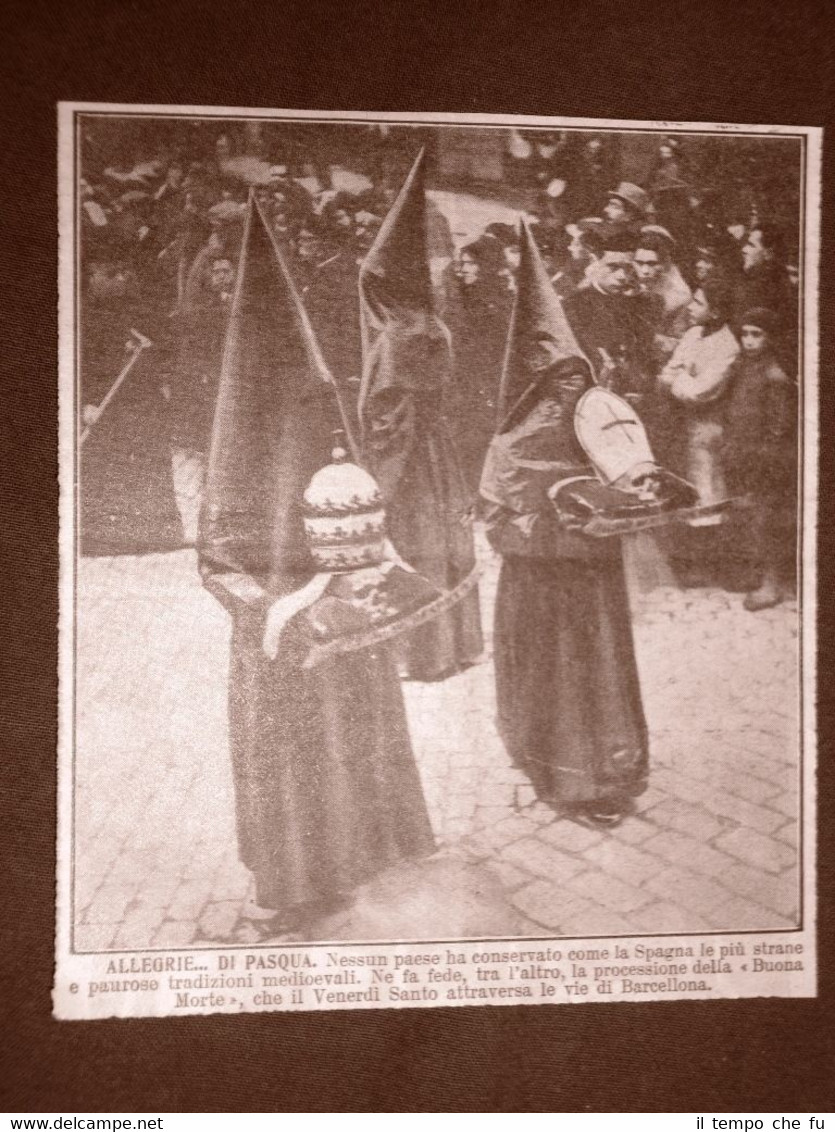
(758,454)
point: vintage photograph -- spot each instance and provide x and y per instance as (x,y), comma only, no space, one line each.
(437,532)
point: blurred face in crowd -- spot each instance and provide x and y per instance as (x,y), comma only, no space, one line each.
(648,266)
(615,210)
(223,276)
(754,252)
(665,152)
(308,246)
(753,340)
(111,281)
(174,176)
(468,269)
(617,273)
(223,148)
(593,148)
(342,218)
(737,231)
(704,267)
(793,273)
(698,309)
(367,226)
(512,256)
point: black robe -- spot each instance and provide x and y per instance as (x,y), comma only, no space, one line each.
(327,791)
(410,451)
(406,442)
(621,327)
(478,323)
(569,704)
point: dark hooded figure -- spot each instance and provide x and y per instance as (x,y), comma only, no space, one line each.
(406,443)
(327,791)
(569,704)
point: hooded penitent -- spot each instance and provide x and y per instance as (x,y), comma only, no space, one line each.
(537,317)
(406,443)
(274,419)
(569,708)
(535,445)
(327,793)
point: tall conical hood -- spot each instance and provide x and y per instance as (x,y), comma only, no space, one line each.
(395,272)
(274,418)
(405,345)
(537,316)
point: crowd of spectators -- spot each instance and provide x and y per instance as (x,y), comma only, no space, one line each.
(683,306)
(683,302)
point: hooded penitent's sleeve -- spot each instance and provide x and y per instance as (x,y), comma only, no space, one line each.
(520,517)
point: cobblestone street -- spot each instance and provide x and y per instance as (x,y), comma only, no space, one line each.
(712,844)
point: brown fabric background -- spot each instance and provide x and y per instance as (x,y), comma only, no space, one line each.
(706,61)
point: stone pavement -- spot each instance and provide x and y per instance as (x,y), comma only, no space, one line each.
(712,844)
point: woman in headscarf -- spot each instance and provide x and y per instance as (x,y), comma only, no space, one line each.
(569,705)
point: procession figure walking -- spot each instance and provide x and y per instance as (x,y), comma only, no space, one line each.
(406,443)
(568,697)
(326,788)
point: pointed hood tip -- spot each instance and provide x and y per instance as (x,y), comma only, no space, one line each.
(395,272)
(538,315)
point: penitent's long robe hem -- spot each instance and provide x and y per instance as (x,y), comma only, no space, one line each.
(327,791)
(430,524)
(569,707)
(569,702)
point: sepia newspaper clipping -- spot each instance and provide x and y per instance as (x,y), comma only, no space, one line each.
(438,560)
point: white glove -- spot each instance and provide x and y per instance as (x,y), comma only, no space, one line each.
(282,610)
